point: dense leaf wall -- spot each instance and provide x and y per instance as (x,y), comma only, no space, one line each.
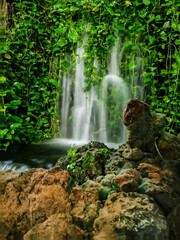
(42,31)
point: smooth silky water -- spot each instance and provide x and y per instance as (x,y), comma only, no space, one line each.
(84,115)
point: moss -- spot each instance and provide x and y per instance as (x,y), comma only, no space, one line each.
(103,194)
(143,187)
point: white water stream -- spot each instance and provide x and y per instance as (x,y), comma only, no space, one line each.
(85,115)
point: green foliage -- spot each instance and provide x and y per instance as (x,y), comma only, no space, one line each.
(87,161)
(71,152)
(34,59)
(104,150)
(143,187)
(103,194)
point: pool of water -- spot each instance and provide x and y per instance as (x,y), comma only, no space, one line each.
(45,155)
(42,155)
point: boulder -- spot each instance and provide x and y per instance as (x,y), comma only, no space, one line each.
(56,227)
(147,131)
(128,181)
(130,216)
(85,206)
(31,198)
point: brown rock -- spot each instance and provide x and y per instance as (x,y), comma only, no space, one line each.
(32,197)
(148,168)
(85,206)
(134,111)
(139,122)
(130,216)
(56,227)
(5,177)
(151,171)
(128,181)
(164,195)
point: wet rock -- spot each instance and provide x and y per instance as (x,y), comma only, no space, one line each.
(108,180)
(140,130)
(87,162)
(114,164)
(150,171)
(133,154)
(130,216)
(126,193)
(128,181)
(173,220)
(165,196)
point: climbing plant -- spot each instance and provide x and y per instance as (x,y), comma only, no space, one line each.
(42,32)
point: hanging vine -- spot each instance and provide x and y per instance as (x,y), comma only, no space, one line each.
(44,30)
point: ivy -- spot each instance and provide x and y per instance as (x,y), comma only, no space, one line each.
(41,34)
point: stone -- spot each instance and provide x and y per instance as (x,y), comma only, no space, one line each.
(31,198)
(130,216)
(107,180)
(150,171)
(128,193)
(128,181)
(56,227)
(140,130)
(173,220)
(5,177)
(133,154)
(85,206)
(163,194)
(88,162)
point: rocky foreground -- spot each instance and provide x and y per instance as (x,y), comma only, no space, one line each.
(98,193)
(122,194)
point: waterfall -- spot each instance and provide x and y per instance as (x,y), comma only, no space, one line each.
(87,116)
(115,93)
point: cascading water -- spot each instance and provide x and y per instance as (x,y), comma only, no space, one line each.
(87,116)
(79,109)
(115,94)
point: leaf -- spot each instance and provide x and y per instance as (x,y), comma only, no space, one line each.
(61,42)
(7,56)
(158,17)
(15,125)
(6,144)
(177,42)
(2,79)
(151,18)
(166,24)
(8,136)
(143,13)
(3,94)
(19,85)
(16,102)
(73,8)
(15,119)
(128,3)
(111,11)
(8,105)
(3,132)
(54,82)
(95,9)
(73,35)
(146,2)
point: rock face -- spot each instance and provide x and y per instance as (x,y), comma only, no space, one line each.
(94,193)
(138,203)
(30,198)
(146,131)
(130,216)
